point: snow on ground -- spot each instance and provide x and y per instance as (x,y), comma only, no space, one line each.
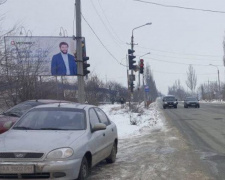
(214,101)
(146,119)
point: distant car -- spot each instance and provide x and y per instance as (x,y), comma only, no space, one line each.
(14,113)
(169,101)
(57,141)
(191,102)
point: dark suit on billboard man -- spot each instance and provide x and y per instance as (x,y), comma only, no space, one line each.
(63,63)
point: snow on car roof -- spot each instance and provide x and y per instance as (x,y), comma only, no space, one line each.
(65,105)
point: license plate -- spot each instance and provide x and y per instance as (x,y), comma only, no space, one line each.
(14,169)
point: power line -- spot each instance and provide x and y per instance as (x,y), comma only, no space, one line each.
(106,27)
(184,58)
(171,52)
(178,62)
(184,73)
(102,42)
(110,23)
(181,7)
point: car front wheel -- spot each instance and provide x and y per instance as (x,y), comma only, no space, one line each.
(84,170)
(112,156)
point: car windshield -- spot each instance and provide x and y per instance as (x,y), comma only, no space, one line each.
(169,98)
(19,109)
(52,119)
(191,99)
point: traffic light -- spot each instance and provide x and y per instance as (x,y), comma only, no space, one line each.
(141,66)
(131,61)
(130,51)
(132,86)
(85,66)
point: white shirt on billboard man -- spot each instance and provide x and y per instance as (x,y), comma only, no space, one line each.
(63,63)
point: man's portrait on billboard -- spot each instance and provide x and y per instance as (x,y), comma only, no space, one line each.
(63,63)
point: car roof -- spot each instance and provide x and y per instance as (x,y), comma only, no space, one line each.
(169,96)
(65,105)
(45,101)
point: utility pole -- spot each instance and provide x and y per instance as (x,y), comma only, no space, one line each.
(81,93)
(132,71)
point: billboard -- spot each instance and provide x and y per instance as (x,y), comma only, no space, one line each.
(45,56)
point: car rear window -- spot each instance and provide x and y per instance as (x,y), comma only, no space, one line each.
(191,99)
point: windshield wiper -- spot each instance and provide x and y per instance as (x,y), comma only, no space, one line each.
(51,129)
(23,128)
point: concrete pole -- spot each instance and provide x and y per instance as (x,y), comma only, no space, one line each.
(132,71)
(219,78)
(81,93)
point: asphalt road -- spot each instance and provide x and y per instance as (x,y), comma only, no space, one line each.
(204,130)
(162,154)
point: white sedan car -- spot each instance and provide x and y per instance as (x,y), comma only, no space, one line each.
(57,141)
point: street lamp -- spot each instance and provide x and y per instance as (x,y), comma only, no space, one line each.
(139,81)
(29,31)
(132,44)
(62,30)
(21,32)
(139,71)
(66,34)
(218,75)
(132,37)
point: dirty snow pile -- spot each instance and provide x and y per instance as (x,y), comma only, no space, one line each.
(132,124)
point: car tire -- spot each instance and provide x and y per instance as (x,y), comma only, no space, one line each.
(175,107)
(84,170)
(164,107)
(112,157)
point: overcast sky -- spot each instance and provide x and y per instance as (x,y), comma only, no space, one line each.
(176,38)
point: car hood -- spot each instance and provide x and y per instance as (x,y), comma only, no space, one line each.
(37,140)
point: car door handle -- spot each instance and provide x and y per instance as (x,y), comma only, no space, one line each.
(103,134)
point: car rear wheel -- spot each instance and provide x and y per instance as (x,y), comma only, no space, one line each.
(164,107)
(84,170)
(112,156)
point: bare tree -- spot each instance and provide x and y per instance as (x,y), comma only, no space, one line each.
(177,90)
(191,81)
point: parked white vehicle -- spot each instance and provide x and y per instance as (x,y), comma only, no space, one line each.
(57,141)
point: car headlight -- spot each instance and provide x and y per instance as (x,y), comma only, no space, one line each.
(165,102)
(60,153)
(175,102)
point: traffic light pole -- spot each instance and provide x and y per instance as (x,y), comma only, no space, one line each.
(81,93)
(132,71)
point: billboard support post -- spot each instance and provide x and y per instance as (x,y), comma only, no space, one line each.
(81,93)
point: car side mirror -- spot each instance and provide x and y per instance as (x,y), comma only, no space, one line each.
(8,125)
(98,127)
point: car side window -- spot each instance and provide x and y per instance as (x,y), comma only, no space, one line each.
(103,118)
(93,117)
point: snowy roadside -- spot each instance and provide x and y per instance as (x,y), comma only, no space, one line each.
(148,119)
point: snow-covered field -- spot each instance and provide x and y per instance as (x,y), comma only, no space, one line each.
(146,119)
